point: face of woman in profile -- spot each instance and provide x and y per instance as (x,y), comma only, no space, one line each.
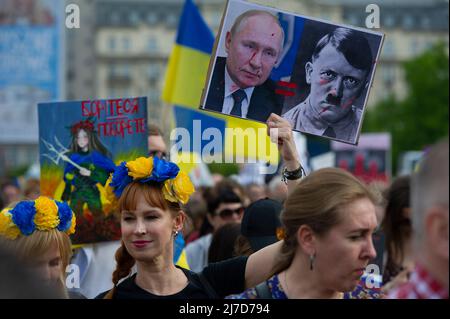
(83,140)
(345,251)
(49,265)
(147,232)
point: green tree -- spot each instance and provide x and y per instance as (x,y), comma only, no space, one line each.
(422,117)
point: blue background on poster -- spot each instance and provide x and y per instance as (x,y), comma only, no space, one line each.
(67,114)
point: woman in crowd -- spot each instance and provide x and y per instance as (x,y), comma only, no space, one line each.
(397,229)
(223,241)
(151,193)
(328,219)
(37,233)
(328,239)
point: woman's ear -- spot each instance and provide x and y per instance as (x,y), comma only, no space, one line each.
(306,239)
(179,220)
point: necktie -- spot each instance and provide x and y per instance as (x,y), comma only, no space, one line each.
(238,97)
(329,132)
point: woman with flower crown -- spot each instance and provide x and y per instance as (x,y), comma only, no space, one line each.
(150,194)
(37,232)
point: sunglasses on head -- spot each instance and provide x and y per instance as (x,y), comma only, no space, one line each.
(227,213)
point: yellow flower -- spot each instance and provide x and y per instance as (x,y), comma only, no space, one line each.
(183,187)
(46,213)
(7,228)
(109,193)
(168,191)
(72,225)
(140,168)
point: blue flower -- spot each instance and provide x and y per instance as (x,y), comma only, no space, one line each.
(120,179)
(23,216)
(162,171)
(65,216)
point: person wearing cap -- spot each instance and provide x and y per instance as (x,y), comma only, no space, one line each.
(260,226)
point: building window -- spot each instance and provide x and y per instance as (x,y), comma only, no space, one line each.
(388,74)
(112,70)
(126,44)
(389,21)
(152,45)
(153,71)
(408,22)
(112,42)
(134,18)
(353,19)
(388,49)
(153,96)
(171,20)
(426,22)
(112,93)
(152,18)
(414,47)
(123,70)
(119,71)
(115,18)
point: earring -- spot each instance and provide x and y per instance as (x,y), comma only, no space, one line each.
(312,258)
(175,233)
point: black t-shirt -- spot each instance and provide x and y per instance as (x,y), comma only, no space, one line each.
(225,278)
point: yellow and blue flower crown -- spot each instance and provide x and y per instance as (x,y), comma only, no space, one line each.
(41,214)
(177,186)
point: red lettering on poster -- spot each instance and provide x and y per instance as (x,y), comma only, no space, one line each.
(118,114)
(109,108)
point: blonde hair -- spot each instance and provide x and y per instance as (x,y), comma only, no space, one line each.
(28,248)
(317,202)
(153,195)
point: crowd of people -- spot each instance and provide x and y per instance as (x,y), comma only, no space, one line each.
(311,239)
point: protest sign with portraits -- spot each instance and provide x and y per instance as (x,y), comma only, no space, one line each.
(314,73)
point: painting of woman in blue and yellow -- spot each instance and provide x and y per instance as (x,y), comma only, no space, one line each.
(90,164)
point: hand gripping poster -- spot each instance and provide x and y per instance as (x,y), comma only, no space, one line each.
(80,143)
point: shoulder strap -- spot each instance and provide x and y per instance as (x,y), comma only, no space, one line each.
(263,291)
(199,277)
(208,288)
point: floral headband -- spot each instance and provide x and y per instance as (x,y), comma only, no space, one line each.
(87,125)
(177,184)
(42,214)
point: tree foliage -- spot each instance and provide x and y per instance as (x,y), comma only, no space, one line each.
(422,117)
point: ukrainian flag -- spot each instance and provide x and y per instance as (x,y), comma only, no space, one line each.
(185,80)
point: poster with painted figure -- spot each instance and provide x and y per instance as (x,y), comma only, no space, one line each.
(80,143)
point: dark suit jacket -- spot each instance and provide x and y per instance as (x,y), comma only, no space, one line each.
(263,101)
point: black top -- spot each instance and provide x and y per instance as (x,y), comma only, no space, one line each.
(225,278)
(264,100)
